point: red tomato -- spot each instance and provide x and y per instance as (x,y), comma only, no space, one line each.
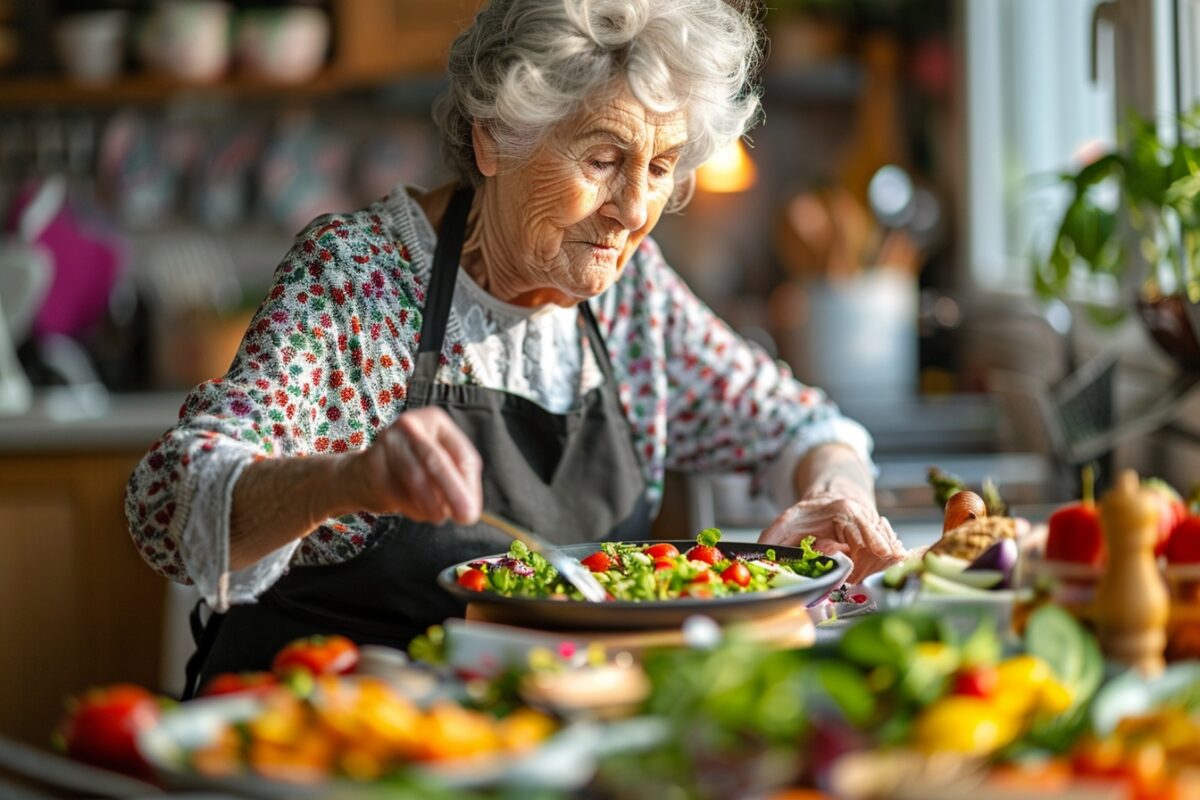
(598,562)
(1099,758)
(706,553)
(1184,545)
(736,573)
(318,655)
(237,683)
(663,563)
(662,550)
(977,682)
(703,577)
(102,725)
(1075,535)
(473,579)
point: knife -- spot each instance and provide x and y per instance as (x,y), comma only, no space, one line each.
(575,573)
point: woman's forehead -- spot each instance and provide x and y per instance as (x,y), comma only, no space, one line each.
(625,121)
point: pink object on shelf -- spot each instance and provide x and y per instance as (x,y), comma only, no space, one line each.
(87,262)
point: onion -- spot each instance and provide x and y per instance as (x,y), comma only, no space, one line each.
(963,507)
(509,563)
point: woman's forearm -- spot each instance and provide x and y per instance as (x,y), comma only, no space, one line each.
(279,500)
(836,469)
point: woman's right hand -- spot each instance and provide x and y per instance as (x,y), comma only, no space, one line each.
(423,467)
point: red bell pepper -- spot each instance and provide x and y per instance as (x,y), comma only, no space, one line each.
(1171,510)
(1074,530)
(1183,546)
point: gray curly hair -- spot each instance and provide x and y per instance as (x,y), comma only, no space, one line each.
(525,65)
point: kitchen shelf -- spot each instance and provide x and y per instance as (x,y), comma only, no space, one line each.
(52,92)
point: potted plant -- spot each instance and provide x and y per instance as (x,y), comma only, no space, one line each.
(1152,219)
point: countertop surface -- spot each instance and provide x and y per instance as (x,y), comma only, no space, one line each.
(62,420)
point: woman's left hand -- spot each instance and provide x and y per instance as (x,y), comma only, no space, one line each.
(840,523)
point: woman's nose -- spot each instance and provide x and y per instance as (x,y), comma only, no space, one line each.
(630,203)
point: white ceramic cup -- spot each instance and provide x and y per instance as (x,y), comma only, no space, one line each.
(91,45)
(187,39)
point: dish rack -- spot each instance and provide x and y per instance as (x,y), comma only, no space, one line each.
(1080,414)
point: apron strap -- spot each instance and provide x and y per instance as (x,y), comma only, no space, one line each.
(598,347)
(205,636)
(443,278)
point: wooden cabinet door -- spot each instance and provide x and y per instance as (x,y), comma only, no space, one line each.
(383,38)
(78,606)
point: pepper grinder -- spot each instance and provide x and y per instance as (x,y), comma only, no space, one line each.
(1131,605)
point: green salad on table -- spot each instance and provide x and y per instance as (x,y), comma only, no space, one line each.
(651,571)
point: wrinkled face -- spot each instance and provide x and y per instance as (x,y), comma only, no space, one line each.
(580,206)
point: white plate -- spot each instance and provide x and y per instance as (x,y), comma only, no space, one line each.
(1131,694)
(964,613)
(564,762)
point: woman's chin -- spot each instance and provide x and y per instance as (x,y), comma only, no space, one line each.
(594,280)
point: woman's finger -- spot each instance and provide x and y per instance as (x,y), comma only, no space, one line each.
(470,467)
(848,530)
(451,485)
(831,546)
(421,498)
(880,539)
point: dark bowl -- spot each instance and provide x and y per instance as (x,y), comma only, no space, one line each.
(628,615)
(1169,320)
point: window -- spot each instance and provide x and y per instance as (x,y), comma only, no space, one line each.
(1033,109)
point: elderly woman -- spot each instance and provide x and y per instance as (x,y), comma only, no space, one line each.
(536,356)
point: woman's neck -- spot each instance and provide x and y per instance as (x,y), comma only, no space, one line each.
(487,253)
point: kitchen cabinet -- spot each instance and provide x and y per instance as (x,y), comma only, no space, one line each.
(78,606)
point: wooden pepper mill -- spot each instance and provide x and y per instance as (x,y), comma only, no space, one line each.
(1131,604)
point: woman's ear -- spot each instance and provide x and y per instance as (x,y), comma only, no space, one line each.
(487,157)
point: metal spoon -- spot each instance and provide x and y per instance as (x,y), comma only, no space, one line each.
(575,573)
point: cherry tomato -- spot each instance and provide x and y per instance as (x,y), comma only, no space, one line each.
(102,726)
(237,683)
(703,577)
(977,682)
(473,579)
(663,563)
(706,553)
(662,550)
(319,655)
(736,573)
(598,562)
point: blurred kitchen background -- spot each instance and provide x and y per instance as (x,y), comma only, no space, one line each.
(157,157)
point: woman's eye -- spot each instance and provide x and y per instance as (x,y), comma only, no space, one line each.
(660,170)
(601,165)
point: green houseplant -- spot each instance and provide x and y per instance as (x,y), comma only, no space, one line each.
(1152,219)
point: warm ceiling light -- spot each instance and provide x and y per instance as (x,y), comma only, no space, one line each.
(729,170)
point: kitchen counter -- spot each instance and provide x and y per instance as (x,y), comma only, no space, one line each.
(84,419)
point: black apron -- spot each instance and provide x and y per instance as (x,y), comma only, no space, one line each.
(572,477)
